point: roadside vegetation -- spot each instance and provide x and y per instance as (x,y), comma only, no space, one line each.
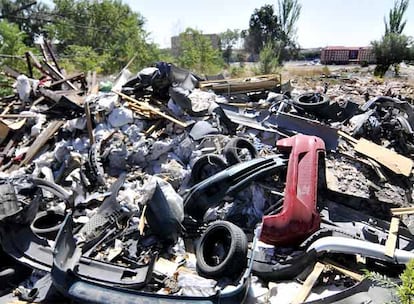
(394,47)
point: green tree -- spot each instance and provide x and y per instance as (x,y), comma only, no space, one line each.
(268,62)
(83,58)
(30,16)
(395,23)
(278,28)
(289,12)
(405,291)
(391,50)
(11,44)
(197,53)
(264,27)
(228,40)
(394,47)
(107,27)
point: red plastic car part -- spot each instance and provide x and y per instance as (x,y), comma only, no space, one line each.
(299,217)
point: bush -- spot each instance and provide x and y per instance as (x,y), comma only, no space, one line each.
(83,58)
(326,71)
(237,71)
(268,60)
(405,291)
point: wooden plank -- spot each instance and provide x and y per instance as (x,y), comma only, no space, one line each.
(386,157)
(29,65)
(392,237)
(75,77)
(347,136)
(11,72)
(41,140)
(52,55)
(343,270)
(308,284)
(148,107)
(402,211)
(18,115)
(60,75)
(390,159)
(89,123)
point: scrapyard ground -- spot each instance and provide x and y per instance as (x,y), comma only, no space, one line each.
(146,197)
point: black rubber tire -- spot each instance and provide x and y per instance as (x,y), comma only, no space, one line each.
(232,151)
(211,162)
(311,101)
(43,228)
(232,240)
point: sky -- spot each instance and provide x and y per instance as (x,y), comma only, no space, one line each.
(321,23)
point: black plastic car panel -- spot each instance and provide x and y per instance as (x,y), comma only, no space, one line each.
(211,191)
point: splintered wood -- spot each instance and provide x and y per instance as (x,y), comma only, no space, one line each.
(386,157)
(308,284)
(391,242)
(142,107)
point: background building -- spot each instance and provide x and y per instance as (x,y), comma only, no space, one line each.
(346,55)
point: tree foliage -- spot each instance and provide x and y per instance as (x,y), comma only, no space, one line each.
(197,53)
(228,40)
(268,61)
(107,27)
(394,47)
(278,28)
(405,291)
(289,12)
(30,16)
(11,43)
(264,27)
(395,23)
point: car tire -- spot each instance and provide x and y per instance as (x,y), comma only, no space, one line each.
(222,251)
(238,150)
(47,224)
(311,101)
(207,166)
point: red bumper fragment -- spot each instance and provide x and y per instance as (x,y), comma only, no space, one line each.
(299,217)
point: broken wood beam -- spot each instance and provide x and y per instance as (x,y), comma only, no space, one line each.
(41,140)
(353,275)
(391,242)
(75,77)
(402,211)
(89,123)
(386,157)
(309,283)
(148,107)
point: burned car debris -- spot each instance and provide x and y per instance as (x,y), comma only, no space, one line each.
(174,188)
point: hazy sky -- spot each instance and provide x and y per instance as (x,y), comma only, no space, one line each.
(322,22)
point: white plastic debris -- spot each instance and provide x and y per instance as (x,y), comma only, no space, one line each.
(37,127)
(132,131)
(107,102)
(23,87)
(76,123)
(159,148)
(120,117)
(194,285)
(201,100)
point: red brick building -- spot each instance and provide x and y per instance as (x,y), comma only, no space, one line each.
(346,55)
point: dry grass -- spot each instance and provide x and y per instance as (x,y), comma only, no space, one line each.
(305,71)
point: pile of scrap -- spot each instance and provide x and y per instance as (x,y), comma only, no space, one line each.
(179,188)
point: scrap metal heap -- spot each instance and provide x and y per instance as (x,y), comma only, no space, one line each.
(169,186)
